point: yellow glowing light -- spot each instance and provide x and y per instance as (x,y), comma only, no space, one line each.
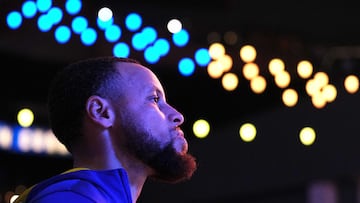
(282,79)
(61,149)
(226,62)
(216,50)
(215,69)
(51,141)
(322,78)
(258,84)
(307,136)
(230,81)
(318,100)
(351,84)
(6,134)
(312,87)
(276,66)
(247,53)
(304,69)
(37,142)
(250,70)
(329,92)
(25,117)
(247,132)
(290,97)
(201,128)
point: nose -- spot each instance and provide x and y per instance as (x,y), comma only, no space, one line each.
(176,117)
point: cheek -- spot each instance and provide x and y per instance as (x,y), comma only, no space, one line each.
(153,120)
(159,132)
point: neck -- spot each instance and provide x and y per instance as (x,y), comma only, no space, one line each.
(136,184)
(105,156)
(137,172)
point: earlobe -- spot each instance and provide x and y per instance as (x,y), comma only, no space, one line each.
(98,109)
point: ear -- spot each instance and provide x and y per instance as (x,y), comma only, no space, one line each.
(100,111)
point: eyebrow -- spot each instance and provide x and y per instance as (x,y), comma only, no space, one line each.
(153,88)
(159,91)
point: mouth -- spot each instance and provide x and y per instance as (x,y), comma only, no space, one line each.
(178,132)
(180,143)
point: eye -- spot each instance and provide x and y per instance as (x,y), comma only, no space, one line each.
(156,99)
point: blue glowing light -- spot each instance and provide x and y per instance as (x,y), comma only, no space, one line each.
(14,20)
(43,5)
(150,34)
(162,46)
(202,57)
(62,34)
(121,50)
(29,9)
(133,21)
(186,66)
(113,33)
(44,23)
(104,24)
(55,14)
(143,39)
(181,38)
(151,55)
(138,41)
(79,24)
(88,36)
(73,7)
(147,36)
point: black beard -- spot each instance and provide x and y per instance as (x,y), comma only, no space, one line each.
(172,167)
(168,165)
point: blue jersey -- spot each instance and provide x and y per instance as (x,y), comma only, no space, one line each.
(81,185)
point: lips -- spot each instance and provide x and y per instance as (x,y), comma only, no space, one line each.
(179,143)
(180,132)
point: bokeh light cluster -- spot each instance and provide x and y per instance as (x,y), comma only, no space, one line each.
(146,39)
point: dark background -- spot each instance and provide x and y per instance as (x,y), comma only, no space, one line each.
(276,167)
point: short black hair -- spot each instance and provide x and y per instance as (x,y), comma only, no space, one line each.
(70,89)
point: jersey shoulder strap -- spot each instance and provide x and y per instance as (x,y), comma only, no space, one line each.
(23,196)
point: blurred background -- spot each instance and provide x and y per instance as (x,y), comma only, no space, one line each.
(269,91)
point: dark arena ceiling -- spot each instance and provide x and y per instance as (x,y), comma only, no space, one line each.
(276,164)
(292,31)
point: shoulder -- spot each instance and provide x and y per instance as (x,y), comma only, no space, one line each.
(69,189)
(54,191)
(79,186)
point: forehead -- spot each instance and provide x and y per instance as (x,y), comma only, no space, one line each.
(136,76)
